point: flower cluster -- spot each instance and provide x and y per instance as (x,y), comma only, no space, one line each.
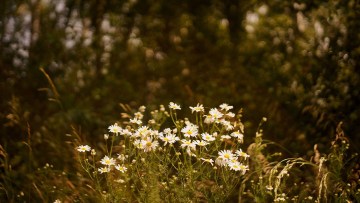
(213,138)
(227,158)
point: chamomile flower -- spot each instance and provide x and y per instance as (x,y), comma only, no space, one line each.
(220,161)
(174,106)
(234,165)
(215,114)
(138,144)
(210,161)
(197,108)
(225,107)
(200,143)
(104,170)
(154,133)
(226,155)
(115,129)
(243,168)
(169,138)
(190,153)
(230,114)
(142,109)
(209,119)
(237,134)
(107,161)
(126,132)
(121,157)
(83,148)
(136,121)
(138,115)
(190,130)
(188,144)
(149,145)
(240,153)
(121,168)
(226,124)
(142,131)
(207,137)
(167,131)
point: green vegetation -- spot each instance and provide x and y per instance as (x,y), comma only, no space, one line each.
(69,69)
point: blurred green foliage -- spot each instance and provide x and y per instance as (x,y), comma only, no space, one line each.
(294,62)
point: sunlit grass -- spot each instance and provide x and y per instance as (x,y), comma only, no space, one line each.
(183,154)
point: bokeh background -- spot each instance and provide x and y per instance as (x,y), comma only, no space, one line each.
(68,64)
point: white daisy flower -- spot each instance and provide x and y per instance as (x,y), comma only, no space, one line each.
(136,121)
(226,124)
(237,134)
(142,109)
(106,136)
(121,168)
(167,131)
(107,161)
(188,144)
(215,114)
(209,119)
(149,145)
(115,129)
(220,161)
(104,170)
(226,155)
(138,144)
(240,153)
(174,106)
(230,114)
(243,168)
(190,130)
(142,131)
(225,107)
(197,108)
(83,148)
(169,138)
(234,165)
(138,115)
(190,153)
(121,157)
(207,137)
(200,143)
(210,161)
(154,133)
(126,132)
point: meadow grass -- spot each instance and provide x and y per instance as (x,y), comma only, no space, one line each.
(164,156)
